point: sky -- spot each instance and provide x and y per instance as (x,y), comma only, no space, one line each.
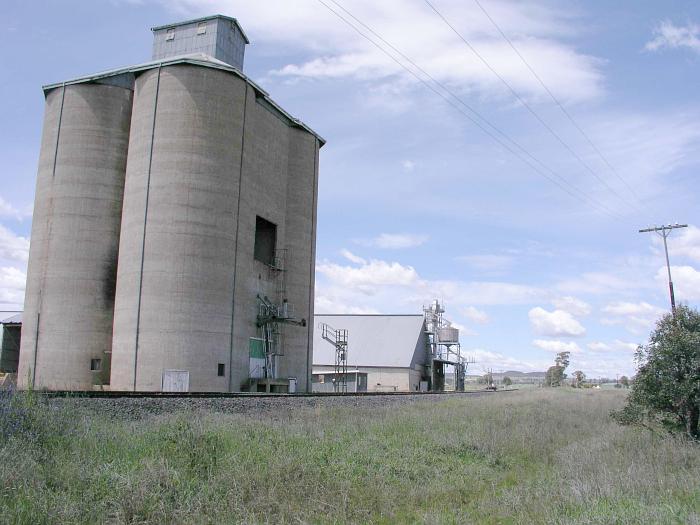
(522,220)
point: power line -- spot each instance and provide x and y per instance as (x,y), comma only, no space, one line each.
(664,231)
(557,102)
(568,184)
(562,185)
(466,105)
(528,107)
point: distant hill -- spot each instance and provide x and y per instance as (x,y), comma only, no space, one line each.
(513,374)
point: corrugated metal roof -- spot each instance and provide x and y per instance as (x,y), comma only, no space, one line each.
(10,317)
(374,340)
(204,19)
(197,59)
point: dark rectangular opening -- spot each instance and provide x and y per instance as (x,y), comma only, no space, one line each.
(95,365)
(221,370)
(265,240)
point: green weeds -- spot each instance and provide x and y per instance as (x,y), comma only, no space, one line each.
(545,456)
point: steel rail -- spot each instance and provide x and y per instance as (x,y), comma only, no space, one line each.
(245,395)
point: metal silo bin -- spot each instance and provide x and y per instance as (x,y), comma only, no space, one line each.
(448,334)
(67,329)
(173,313)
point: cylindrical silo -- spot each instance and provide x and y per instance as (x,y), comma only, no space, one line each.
(173,311)
(67,325)
(302,195)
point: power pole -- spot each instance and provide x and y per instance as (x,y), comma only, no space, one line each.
(664,232)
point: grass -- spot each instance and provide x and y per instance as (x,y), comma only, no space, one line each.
(539,456)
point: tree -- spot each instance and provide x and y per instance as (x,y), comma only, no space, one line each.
(562,359)
(667,386)
(555,374)
(624,381)
(579,378)
(507,381)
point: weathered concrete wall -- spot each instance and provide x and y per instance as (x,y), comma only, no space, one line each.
(187,279)
(71,275)
(175,280)
(300,242)
(263,193)
(194,154)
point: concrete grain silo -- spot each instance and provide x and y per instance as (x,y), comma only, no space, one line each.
(69,301)
(215,266)
(175,284)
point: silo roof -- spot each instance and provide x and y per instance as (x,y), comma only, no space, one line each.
(197,59)
(204,19)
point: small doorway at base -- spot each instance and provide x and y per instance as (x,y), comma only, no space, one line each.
(176,381)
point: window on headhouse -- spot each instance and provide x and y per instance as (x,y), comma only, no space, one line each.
(221,370)
(201,28)
(95,365)
(265,240)
(170,34)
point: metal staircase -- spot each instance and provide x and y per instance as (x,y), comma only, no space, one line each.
(339,339)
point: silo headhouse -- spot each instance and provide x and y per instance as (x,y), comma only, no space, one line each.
(173,240)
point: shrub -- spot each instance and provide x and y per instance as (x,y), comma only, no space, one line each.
(24,416)
(667,386)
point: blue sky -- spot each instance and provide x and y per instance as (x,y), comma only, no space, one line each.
(416,202)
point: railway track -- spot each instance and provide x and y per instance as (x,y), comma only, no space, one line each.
(250,395)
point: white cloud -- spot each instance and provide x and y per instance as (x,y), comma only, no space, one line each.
(463,330)
(8,210)
(395,241)
(615,346)
(13,248)
(598,347)
(486,292)
(637,318)
(352,257)
(593,366)
(408,165)
(329,305)
(597,283)
(12,282)
(334,50)
(555,324)
(572,305)
(668,35)
(622,308)
(369,274)
(475,315)
(14,252)
(646,147)
(634,325)
(557,346)
(391,287)
(486,360)
(686,243)
(686,282)
(488,262)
